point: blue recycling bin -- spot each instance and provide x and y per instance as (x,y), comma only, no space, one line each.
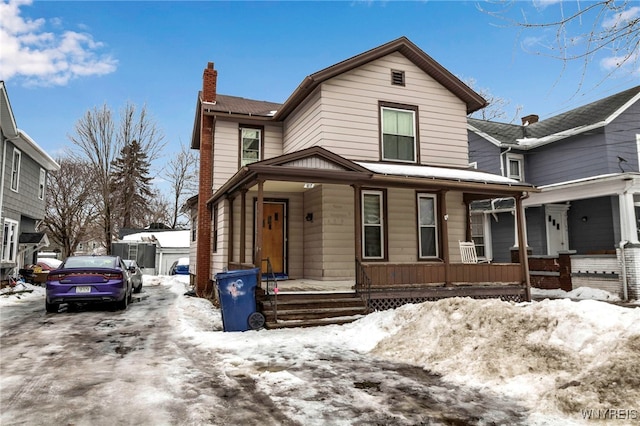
(236,291)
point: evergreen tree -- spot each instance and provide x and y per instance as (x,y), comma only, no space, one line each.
(131,185)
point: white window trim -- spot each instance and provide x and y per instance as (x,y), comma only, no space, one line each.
(15,169)
(415,137)
(42,183)
(520,159)
(435,226)
(486,229)
(380,194)
(13,228)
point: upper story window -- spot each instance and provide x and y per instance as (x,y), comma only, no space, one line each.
(15,169)
(41,184)
(250,145)
(515,166)
(398,124)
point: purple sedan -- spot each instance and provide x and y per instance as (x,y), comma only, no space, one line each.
(84,279)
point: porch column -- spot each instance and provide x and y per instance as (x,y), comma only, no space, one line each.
(358,222)
(628,229)
(522,245)
(445,238)
(230,248)
(243,226)
(257,250)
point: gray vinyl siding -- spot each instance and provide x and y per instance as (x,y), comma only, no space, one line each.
(597,232)
(536,230)
(343,114)
(486,154)
(502,236)
(25,201)
(621,139)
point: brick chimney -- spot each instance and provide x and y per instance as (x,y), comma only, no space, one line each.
(529,119)
(209,82)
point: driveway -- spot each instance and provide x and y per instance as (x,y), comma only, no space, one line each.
(98,366)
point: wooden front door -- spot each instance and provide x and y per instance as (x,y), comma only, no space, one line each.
(273,232)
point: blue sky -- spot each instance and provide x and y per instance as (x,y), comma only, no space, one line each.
(60,59)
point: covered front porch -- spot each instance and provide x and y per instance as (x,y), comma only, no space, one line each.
(312,219)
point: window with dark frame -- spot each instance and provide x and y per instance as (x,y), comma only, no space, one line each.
(250,145)
(372,224)
(398,134)
(427,226)
(214,219)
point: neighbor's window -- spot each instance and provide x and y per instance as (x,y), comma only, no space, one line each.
(398,134)
(10,240)
(15,169)
(427,226)
(515,166)
(477,234)
(215,228)
(250,145)
(194,227)
(372,225)
(43,178)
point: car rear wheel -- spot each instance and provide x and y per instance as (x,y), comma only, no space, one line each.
(51,307)
(124,302)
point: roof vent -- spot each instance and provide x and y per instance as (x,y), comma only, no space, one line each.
(397,78)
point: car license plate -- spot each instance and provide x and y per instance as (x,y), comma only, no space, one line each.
(83,289)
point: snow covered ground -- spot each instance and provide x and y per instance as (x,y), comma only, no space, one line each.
(569,362)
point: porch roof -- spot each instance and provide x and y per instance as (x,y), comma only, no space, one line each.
(327,167)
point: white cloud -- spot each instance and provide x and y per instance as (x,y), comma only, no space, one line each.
(46,58)
(623,18)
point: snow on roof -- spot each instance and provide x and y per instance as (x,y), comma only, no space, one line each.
(164,239)
(437,173)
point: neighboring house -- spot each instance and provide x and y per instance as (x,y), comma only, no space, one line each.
(361,175)
(585,164)
(23,183)
(154,251)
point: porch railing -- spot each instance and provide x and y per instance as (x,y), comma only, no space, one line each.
(271,291)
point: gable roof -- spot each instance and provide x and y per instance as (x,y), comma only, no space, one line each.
(403,45)
(576,121)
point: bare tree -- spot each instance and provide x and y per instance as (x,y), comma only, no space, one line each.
(182,175)
(71,204)
(100,139)
(582,30)
(158,210)
(496,108)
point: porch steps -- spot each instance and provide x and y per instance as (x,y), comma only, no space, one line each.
(305,309)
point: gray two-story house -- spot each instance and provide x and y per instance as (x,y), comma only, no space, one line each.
(361,176)
(23,181)
(585,162)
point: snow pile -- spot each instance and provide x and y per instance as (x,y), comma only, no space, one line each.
(580,293)
(21,292)
(556,355)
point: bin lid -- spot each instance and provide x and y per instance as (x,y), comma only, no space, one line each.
(237,273)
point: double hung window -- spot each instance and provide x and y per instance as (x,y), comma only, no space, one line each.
(398,134)
(515,166)
(427,226)
(250,145)
(10,240)
(43,178)
(15,169)
(372,225)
